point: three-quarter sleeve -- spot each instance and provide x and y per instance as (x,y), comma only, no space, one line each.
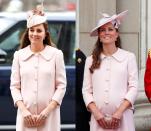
(60,78)
(87,83)
(15,85)
(132,79)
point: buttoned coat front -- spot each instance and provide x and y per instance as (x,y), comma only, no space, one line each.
(109,85)
(37,79)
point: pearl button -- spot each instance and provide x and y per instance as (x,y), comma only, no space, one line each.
(107,69)
(108,58)
(36,55)
(35,103)
(35,91)
(106,90)
(36,66)
(106,102)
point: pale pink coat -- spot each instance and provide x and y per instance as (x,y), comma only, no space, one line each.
(108,86)
(37,79)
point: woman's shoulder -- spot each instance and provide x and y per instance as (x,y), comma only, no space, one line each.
(89,59)
(126,53)
(19,52)
(23,50)
(53,50)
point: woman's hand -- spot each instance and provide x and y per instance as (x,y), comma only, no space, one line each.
(29,119)
(117,116)
(99,117)
(103,123)
(116,119)
(41,118)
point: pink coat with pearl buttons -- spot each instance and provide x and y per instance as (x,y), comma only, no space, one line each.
(108,86)
(37,79)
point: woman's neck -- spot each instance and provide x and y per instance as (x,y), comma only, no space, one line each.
(109,49)
(37,48)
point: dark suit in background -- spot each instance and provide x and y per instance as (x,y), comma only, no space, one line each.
(82,115)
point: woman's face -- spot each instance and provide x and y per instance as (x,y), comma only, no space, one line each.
(108,34)
(37,33)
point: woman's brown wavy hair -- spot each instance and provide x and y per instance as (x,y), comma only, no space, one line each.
(98,48)
(24,41)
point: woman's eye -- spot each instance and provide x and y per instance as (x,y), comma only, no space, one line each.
(31,30)
(110,29)
(102,30)
(39,31)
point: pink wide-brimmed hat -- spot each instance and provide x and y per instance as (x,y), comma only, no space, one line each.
(115,20)
(36,16)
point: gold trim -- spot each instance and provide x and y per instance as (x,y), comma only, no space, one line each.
(149,53)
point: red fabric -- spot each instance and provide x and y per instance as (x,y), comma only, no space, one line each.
(147,78)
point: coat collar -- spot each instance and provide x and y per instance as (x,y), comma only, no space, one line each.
(46,53)
(119,55)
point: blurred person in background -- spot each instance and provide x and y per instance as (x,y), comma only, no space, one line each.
(110,79)
(147,77)
(14,6)
(82,115)
(0,5)
(38,77)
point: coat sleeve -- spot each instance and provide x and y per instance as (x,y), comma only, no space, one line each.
(132,79)
(147,78)
(60,78)
(87,90)
(15,86)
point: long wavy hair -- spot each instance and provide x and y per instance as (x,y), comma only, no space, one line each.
(24,40)
(98,49)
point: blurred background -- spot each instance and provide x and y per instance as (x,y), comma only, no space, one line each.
(24,5)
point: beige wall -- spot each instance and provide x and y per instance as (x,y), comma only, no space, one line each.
(89,13)
(130,29)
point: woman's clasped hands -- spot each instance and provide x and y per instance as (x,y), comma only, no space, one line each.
(31,120)
(107,121)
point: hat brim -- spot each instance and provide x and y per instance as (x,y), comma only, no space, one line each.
(104,21)
(35,20)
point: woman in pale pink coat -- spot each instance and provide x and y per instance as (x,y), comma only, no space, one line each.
(110,79)
(38,78)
